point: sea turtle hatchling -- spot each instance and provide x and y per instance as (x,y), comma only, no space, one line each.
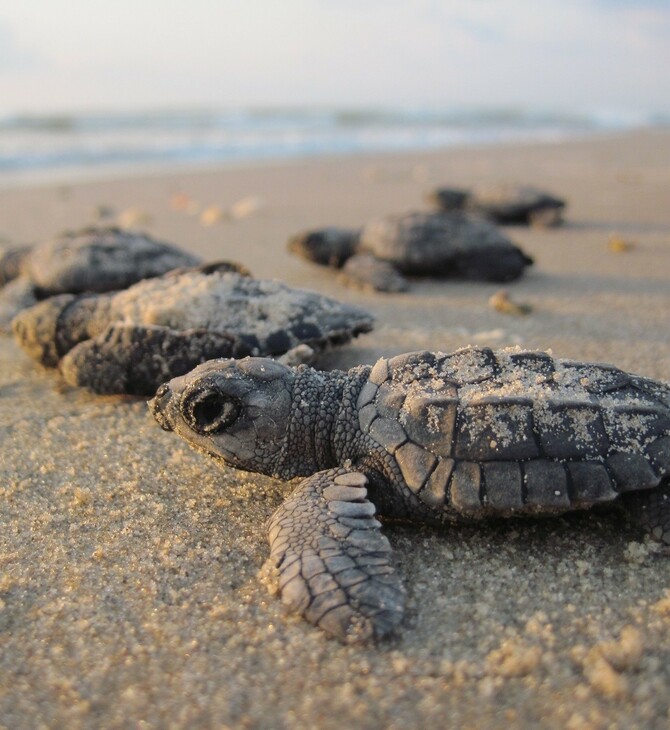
(433,437)
(503,203)
(132,340)
(417,244)
(88,260)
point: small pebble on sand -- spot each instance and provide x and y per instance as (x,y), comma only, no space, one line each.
(501,302)
(617,244)
(245,207)
(132,217)
(212,215)
(180,201)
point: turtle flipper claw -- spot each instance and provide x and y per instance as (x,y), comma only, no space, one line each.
(333,563)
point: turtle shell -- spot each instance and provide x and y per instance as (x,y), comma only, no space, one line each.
(502,203)
(100,260)
(437,244)
(269,315)
(480,433)
(508,202)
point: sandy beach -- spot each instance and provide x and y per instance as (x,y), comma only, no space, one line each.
(129,595)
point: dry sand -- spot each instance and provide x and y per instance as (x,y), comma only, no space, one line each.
(128,588)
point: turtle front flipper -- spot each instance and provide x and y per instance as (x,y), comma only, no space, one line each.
(136,359)
(492,264)
(366,271)
(334,565)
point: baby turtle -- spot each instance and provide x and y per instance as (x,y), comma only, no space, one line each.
(89,260)
(417,244)
(434,437)
(133,340)
(503,203)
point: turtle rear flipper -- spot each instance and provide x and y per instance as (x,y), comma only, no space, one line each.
(333,563)
(137,359)
(492,265)
(548,216)
(650,508)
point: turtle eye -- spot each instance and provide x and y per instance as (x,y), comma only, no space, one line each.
(209,412)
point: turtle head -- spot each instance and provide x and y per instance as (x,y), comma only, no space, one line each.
(327,246)
(39,329)
(234,410)
(448,199)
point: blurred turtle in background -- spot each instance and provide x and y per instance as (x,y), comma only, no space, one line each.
(503,203)
(88,260)
(440,245)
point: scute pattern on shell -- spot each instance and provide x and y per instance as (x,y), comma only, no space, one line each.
(515,431)
(272,315)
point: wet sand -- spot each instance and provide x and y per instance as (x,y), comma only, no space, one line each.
(128,563)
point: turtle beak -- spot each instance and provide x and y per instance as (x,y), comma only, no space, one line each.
(162,405)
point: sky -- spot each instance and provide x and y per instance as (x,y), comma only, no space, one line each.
(575,55)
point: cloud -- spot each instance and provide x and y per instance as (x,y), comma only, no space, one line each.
(557,54)
(615,4)
(13,55)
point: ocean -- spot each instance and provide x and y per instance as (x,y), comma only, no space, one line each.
(92,144)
